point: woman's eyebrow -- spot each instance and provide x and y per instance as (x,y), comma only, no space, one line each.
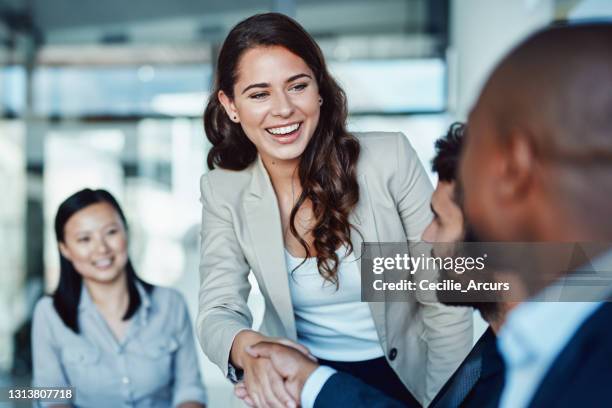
(259,85)
(266,85)
(298,76)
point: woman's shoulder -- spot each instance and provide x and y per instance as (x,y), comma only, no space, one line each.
(226,184)
(167,298)
(220,175)
(378,138)
(380,150)
(45,314)
(44,307)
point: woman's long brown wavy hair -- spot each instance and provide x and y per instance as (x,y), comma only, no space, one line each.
(328,166)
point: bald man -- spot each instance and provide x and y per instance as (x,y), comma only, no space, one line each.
(537,166)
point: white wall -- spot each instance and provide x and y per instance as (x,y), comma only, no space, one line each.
(482,32)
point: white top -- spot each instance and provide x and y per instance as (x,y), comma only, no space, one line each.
(334,324)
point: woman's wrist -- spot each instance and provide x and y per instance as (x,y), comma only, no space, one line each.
(241,341)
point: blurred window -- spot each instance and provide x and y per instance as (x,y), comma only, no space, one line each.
(12,89)
(393,86)
(121,91)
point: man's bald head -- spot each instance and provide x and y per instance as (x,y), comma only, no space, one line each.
(538,156)
(557,85)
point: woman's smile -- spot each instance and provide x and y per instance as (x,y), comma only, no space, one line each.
(285,134)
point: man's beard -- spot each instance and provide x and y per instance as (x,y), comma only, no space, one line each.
(489,310)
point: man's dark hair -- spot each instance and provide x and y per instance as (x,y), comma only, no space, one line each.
(448,150)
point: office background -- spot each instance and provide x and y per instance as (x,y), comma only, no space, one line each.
(110,94)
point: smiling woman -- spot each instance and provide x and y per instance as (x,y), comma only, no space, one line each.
(290,196)
(113,337)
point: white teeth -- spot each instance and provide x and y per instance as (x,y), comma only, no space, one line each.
(284,130)
(102,263)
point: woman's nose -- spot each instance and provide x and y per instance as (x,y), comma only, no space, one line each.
(282,105)
(102,246)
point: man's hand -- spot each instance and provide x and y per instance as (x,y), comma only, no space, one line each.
(263,385)
(293,366)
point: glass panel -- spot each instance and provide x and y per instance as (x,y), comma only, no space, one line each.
(12,89)
(393,86)
(14,298)
(132,90)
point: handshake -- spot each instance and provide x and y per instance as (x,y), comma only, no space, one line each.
(275,370)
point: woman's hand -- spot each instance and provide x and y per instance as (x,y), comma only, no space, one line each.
(264,385)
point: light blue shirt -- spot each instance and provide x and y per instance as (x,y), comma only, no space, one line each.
(531,339)
(155,365)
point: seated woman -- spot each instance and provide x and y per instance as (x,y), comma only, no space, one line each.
(290,196)
(117,340)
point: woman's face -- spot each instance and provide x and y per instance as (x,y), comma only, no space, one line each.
(276,101)
(95,241)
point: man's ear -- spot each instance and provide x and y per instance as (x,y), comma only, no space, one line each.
(517,175)
(229,106)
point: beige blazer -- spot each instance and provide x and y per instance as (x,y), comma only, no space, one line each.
(241,232)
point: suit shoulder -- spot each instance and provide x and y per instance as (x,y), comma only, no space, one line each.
(382,151)
(385,144)
(378,140)
(226,185)
(221,176)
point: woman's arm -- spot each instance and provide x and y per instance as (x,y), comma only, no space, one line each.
(46,362)
(224,320)
(188,390)
(448,330)
(224,285)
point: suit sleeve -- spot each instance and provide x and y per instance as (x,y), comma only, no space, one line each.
(224,284)
(448,330)
(344,390)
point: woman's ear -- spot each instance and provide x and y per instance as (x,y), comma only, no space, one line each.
(229,106)
(64,251)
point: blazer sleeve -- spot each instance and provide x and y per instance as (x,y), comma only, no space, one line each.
(224,284)
(344,390)
(448,330)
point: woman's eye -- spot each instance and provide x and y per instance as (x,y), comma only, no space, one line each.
(299,87)
(259,95)
(112,231)
(83,239)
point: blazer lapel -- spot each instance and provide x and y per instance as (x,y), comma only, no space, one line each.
(363,219)
(264,225)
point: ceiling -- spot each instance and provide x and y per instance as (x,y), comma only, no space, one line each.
(172,21)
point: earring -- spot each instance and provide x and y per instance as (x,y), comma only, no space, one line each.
(320,101)
(235,117)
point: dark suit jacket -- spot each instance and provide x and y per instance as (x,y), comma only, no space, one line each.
(581,376)
(477,382)
(344,390)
